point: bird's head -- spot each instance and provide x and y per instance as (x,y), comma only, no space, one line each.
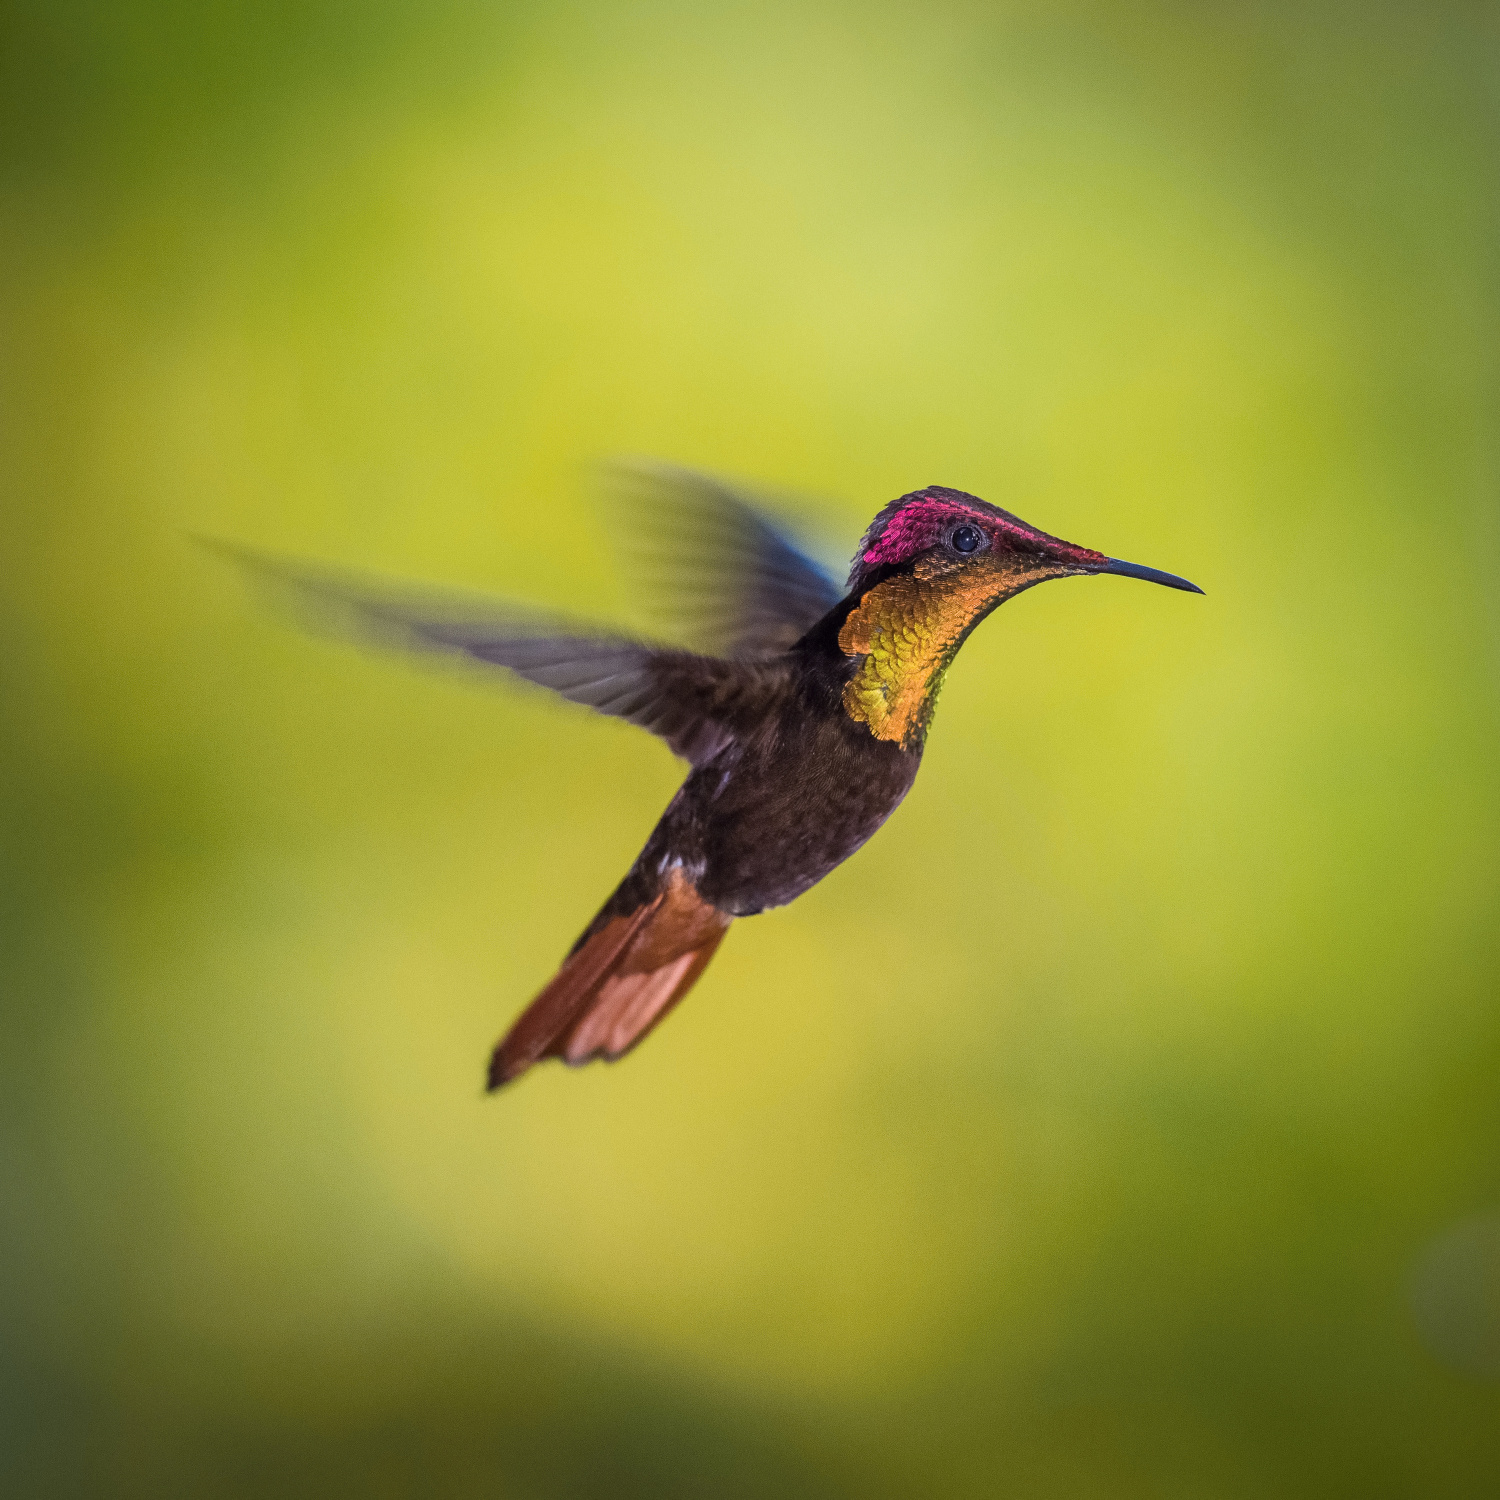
(931,566)
(942,533)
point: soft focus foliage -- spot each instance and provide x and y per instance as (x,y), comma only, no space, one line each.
(1091,1133)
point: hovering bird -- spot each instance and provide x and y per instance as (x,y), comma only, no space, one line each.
(803,720)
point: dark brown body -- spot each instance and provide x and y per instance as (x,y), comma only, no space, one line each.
(773,811)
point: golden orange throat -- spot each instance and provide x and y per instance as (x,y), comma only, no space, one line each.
(908,630)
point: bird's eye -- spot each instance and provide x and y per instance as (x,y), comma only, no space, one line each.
(966,539)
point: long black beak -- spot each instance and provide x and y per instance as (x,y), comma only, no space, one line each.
(1151,575)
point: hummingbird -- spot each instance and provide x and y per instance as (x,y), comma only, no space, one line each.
(802,717)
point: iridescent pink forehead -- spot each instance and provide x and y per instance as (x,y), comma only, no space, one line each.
(916,527)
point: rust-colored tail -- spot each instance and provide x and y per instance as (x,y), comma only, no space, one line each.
(617,984)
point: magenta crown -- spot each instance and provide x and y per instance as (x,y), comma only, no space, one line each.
(915,522)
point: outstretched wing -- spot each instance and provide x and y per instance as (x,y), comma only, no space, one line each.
(694,703)
(724,568)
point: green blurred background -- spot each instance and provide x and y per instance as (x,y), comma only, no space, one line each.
(1122,1122)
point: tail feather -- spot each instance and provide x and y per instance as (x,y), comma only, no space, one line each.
(617,986)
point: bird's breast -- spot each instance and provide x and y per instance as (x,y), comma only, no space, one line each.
(793,807)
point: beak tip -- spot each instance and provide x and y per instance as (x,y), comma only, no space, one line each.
(1151,575)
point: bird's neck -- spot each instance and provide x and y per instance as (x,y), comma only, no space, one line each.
(903,634)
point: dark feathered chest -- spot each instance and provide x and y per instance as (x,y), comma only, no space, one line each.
(783,806)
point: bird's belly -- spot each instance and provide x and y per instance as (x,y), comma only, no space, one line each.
(772,831)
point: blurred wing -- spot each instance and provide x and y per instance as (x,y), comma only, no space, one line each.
(692,702)
(737,582)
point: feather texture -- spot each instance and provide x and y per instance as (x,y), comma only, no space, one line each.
(694,703)
(716,563)
(618,984)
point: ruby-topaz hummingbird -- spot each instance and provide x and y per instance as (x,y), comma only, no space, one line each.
(803,719)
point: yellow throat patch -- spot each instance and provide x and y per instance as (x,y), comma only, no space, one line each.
(908,630)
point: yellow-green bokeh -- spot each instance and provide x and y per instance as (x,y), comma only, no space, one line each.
(1082,1137)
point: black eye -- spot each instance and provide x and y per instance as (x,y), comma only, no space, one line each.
(965,539)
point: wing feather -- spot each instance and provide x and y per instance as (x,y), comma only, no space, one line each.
(696,704)
(730,573)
